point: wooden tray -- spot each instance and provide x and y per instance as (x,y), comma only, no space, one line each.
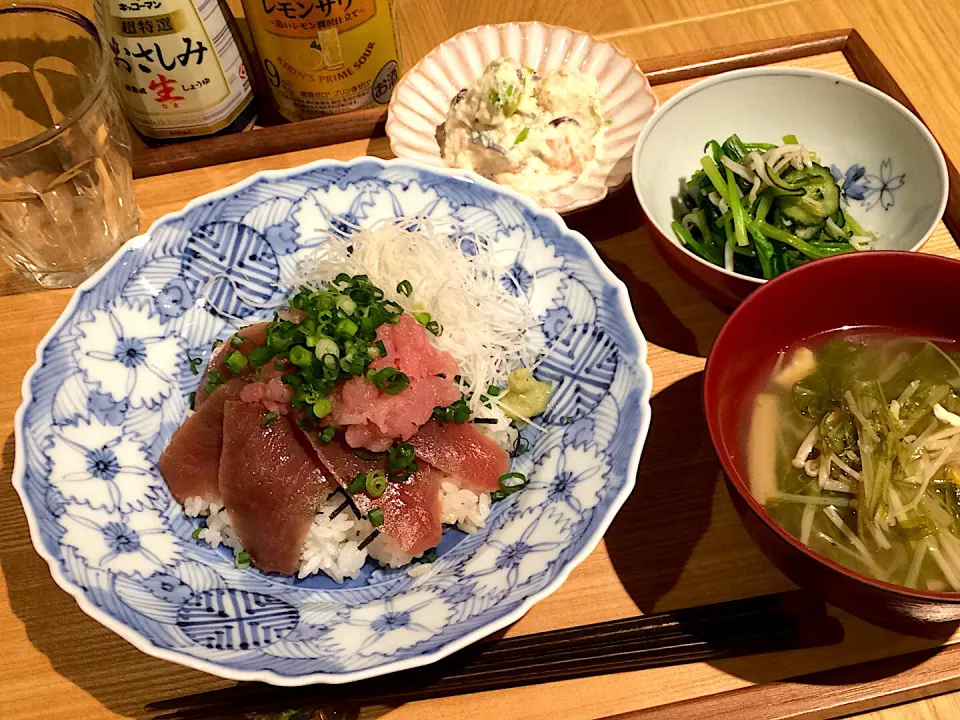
(676,543)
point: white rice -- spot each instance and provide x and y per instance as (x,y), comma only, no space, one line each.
(502,432)
(332,545)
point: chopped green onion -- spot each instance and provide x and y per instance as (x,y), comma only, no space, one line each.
(260,356)
(326,435)
(236,341)
(195,363)
(375,517)
(236,362)
(196,533)
(346,328)
(242,560)
(322,407)
(326,346)
(269,419)
(390,380)
(214,380)
(405,288)
(521,136)
(300,356)
(216,343)
(376,483)
(401,462)
(509,483)
(422,317)
(493,391)
(192,399)
(434,327)
(358,484)
(428,556)
(347,304)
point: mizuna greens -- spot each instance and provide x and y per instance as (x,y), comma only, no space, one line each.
(761,209)
(854,448)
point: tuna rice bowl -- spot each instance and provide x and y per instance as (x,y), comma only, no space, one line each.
(381,406)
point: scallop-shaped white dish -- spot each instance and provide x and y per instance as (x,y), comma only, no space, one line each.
(421,99)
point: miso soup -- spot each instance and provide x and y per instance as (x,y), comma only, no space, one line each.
(854,448)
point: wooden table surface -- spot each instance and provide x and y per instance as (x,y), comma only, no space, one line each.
(58,663)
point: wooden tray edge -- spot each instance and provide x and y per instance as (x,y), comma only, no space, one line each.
(303,135)
(827,694)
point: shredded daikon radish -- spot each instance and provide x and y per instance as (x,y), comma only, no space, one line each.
(485,327)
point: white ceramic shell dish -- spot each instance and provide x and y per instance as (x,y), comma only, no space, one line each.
(891,172)
(421,100)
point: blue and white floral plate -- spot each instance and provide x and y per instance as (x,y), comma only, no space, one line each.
(111,384)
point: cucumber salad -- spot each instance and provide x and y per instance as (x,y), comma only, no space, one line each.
(760,209)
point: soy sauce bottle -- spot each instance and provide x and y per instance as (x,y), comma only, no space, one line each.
(179,67)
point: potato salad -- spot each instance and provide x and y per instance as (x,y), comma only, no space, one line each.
(536,134)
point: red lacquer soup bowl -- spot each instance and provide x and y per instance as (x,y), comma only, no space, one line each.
(910,293)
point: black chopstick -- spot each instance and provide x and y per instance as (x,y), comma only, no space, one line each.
(740,627)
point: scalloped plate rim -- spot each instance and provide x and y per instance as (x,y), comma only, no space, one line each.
(268,676)
(575,204)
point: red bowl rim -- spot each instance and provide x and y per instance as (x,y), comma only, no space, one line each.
(722,448)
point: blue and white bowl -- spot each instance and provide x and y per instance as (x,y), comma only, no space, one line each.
(891,172)
(111,383)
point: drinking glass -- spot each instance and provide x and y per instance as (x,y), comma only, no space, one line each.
(66,186)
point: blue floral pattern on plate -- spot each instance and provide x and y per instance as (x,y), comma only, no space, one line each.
(111,384)
(869,190)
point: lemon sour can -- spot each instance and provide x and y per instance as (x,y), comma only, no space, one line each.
(322,57)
